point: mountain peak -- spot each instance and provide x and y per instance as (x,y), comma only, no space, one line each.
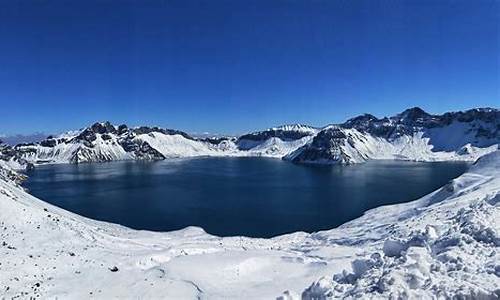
(294,127)
(413,113)
(362,118)
(103,127)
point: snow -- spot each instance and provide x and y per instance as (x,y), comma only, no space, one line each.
(178,146)
(297,128)
(175,145)
(361,147)
(457,134)
(275,147)
(442,245)
(170,146)
(76,152)
(465,141)
(13,164)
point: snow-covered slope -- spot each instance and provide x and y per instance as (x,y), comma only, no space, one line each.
(277,141)
(411,135)
(302,128)
(9,157)
(334,144)
(443,245)
(106,142)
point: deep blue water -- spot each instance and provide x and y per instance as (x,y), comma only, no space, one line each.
(256,197)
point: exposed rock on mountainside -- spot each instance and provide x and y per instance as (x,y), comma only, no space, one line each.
(330,145)
(412,135)
(285,133)
(484,123)
(13,158)
(99,142)
(105,142)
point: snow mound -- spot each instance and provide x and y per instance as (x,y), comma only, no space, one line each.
(445,249)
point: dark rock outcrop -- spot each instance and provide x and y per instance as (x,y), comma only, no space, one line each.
(281,134)
(416,119)
(324,148)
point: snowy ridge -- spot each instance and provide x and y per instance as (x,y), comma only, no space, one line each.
(174,145)
(106,142)
(335,145)
(410,135)
(296,127)
(442,245)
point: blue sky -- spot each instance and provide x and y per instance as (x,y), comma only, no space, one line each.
(236,66)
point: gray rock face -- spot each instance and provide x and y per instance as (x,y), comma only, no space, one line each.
(416,119)
(84,143)
(216,140)
(145,151)
(327,145)
(122,129)
(282,134)
(324,148)
(49,142)
(102,128)
(8,153)
(285,133)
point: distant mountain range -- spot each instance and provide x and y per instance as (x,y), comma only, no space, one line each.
(23,138)
(411,135)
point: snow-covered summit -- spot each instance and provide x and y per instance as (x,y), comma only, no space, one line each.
(481,120)
(284,132)
(103,141)
(412,134)
(296,127)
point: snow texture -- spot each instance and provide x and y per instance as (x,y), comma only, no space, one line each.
(443,245)
(411,135)
(440,246)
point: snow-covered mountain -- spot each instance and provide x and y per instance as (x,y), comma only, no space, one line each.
(106,142)
(277,141)
(411,135)
(12,158)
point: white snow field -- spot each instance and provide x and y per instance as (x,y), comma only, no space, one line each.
(443,245)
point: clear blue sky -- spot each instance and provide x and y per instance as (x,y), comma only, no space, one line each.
(235,66)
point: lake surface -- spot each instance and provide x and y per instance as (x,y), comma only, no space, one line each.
(256,197)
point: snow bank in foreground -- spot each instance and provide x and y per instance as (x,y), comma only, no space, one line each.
(444,244)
